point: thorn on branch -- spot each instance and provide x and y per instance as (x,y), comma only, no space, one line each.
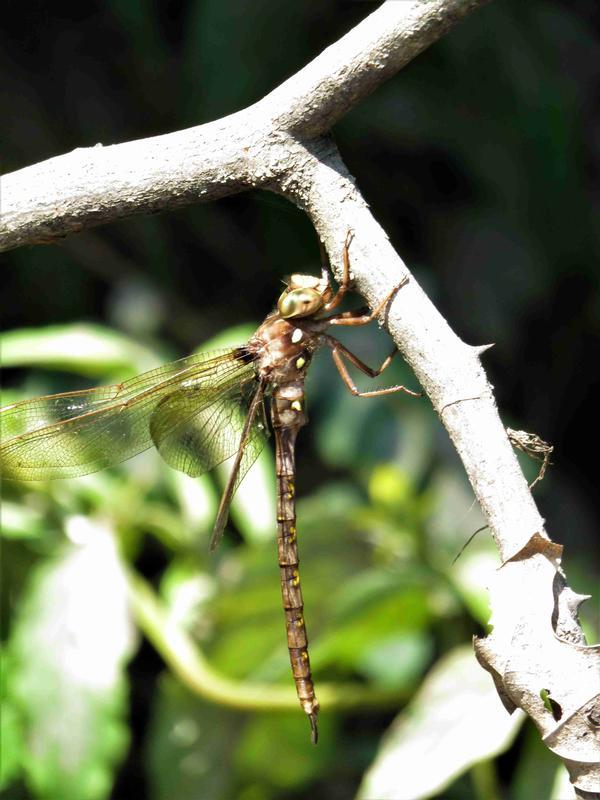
(481,348)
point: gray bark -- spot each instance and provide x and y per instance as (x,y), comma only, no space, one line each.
(248,149)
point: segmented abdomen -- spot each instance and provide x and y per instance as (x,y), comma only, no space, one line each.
(288,415)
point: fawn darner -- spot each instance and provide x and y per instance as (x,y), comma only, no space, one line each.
(189,410)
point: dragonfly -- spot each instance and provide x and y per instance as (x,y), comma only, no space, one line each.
(204,409)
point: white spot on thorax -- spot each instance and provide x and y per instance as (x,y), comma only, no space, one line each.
(297,335)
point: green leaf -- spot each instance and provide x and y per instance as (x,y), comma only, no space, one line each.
(186,590)
(230,337)
(21,522)
(536,769)
(390,487)
(453,518)
(550,704)
(197,504)
(275,751)
(90,350)
(188,747)
(398,660)
(562,788)
(12,739)
(471,575)
(253,505)
(455,720)
(69,645)
(350,641)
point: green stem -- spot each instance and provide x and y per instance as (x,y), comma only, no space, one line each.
(186,660)
(485,781)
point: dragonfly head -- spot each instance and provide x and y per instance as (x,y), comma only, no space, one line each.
(304,296)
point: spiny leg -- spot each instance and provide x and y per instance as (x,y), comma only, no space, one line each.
(358,317)
(339,352)
(349,317)
(345,284)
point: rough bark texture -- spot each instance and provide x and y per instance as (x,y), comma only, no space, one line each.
(536,649)
(96,185)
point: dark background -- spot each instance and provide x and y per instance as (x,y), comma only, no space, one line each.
(480,159)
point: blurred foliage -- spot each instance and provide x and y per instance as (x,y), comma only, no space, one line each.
(479,159)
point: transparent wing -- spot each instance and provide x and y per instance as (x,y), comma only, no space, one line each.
(67,435)
(194,430)
(194,434)
(250,445)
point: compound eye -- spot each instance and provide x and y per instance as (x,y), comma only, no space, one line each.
(299,303)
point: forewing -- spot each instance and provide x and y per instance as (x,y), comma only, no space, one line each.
(67,435)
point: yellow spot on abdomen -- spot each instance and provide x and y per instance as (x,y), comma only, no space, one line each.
(296,405)
(300,363)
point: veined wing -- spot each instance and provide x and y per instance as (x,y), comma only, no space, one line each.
(75,433)
(250,444)
(193,434)
(194,438)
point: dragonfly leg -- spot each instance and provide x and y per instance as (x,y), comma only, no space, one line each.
(360,317)
(345,284)
(339,352)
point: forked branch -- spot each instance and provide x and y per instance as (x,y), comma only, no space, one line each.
(249,149)
(536,651)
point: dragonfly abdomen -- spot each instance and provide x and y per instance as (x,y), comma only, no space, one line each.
(288,415)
